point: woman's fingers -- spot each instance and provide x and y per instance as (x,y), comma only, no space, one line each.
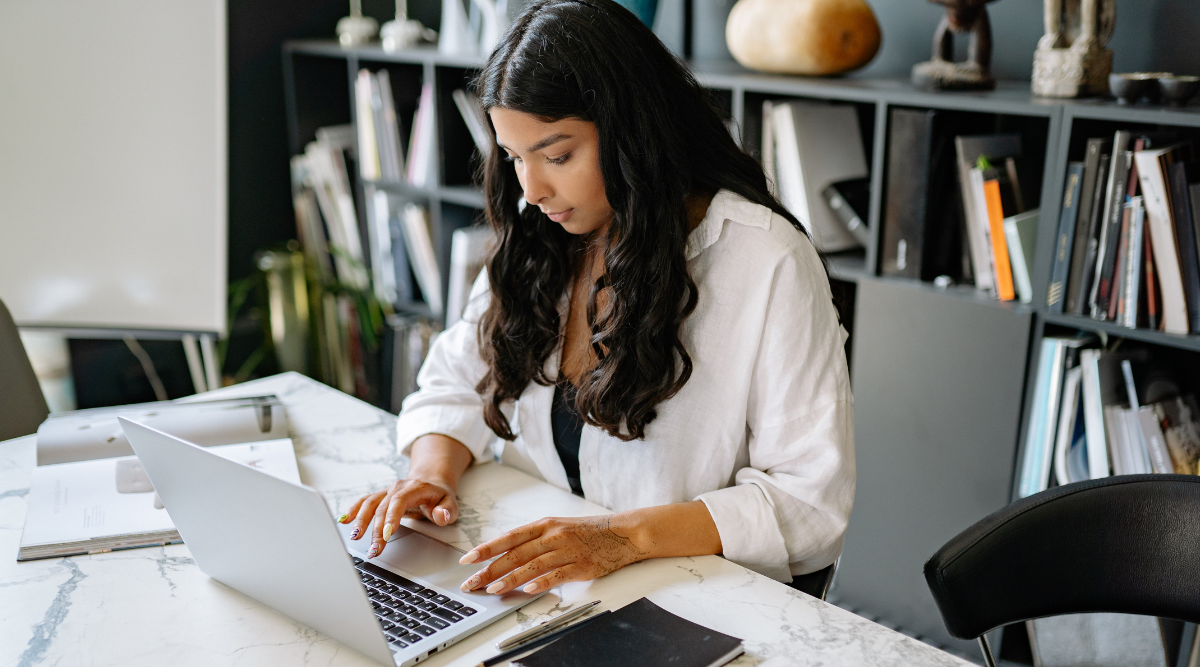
(364,513)
(353,511)
(509,563)
(403,498)
(509,540)
(557,577)
(537,567)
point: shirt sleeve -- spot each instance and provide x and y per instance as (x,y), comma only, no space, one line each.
(786,513)
(446,402)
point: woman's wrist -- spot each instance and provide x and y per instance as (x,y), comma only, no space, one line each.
(439,459)
(665,531)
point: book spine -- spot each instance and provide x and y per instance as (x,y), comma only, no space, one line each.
(1116,291)
(1004,281)
(1107,257)
(1062,246)
(1016,256)
(1162,236)
(1137,241)
(1035,443)
(1156,446)
(1113,199)
(1093,415)
(1186,237)
(981,264)
(905,213)
(1087,274)
(1079,247)
(1153,305)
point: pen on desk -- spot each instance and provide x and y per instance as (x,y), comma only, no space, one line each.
(540,641)
(548,626)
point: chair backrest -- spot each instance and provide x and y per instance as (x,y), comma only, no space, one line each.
(22,405)
(1127,544)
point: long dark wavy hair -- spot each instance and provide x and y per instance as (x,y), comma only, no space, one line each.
(661,141)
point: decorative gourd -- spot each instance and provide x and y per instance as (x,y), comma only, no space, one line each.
(813,37)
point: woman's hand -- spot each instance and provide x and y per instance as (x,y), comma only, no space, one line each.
(438,463)
(551,552)
(433,500)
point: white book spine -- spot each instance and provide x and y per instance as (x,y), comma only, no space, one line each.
(768,148)
(368,154)
(1066,424)
(1134,263)
(977,228)
(1017,256)
(383,267)
(1093,415)
(787,164)
(1162,238)
(981,214)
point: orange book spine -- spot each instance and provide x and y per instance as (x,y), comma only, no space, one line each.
(1004,280)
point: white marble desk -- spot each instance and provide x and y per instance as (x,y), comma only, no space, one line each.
(154,607)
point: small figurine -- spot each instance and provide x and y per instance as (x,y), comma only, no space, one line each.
(1071,59)
(356,29)
(942,73)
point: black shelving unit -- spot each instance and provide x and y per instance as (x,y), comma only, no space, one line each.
(966,361)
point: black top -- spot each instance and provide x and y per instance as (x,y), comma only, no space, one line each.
(567,427)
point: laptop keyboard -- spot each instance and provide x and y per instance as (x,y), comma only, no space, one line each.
(407,611)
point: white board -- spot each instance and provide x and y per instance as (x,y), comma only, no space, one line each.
(113,168)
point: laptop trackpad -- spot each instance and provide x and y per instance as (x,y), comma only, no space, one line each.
(421,556)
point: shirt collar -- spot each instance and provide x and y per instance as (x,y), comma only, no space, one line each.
(725,205)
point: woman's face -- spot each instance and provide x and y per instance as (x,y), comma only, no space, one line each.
(558,165)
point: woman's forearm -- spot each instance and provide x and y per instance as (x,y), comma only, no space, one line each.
(679,529)
(439,459)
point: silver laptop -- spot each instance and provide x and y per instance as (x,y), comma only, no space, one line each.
(276,542)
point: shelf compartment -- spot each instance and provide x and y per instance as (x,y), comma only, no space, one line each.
(1178,341)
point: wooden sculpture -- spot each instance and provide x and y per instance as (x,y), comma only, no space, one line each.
(962,17)
(1071,59)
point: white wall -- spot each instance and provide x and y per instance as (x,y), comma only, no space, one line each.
(113,168)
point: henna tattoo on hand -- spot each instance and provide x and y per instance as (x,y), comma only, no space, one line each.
(609,550)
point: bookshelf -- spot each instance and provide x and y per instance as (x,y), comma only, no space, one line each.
(944,476)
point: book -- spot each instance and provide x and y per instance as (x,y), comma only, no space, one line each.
(379,237)
(368,153)
(100,505)
(1185,235)
(1039,439)
(468,253)
(1179,418)
(1021,233)
(922,227)
(1156,445)
(968,149)
(1082,240)
(1083,286)
(1069,447)
(640,633)
(816,145)
(1062,245)
(1116,290)
(1093,415)
(1131,300)
(1110,220)
(1162,237)
(392,167)
(995,215)
(421,157)
(476,120)
(418,239)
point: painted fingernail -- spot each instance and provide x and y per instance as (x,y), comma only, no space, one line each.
(530,588)
(387,531)
(471,556)
(354,534)
(496,587)
(470,584)
(374,550)
(444,515)
(342,518)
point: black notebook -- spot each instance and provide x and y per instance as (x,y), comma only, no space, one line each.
(640,633)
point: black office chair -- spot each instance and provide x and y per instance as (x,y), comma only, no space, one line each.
(1127,544)
(22,406)
(816,583)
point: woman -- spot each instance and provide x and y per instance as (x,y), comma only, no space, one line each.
(652,332)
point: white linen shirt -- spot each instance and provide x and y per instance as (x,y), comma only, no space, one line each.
(762,433)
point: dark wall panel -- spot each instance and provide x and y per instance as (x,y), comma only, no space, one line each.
(936,416)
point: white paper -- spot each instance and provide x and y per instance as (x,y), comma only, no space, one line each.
(73,502)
